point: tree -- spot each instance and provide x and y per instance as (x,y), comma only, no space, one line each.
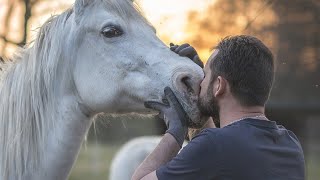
(28,5)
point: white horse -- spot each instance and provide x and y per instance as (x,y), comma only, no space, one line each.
(99,56)
(131,155)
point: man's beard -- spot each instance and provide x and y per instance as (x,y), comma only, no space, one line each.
(209,107)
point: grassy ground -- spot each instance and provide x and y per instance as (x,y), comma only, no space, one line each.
(94,162)
(313,167)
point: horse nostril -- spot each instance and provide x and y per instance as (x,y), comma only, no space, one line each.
(188,83)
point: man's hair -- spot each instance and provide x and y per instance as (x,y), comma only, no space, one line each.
(247,64)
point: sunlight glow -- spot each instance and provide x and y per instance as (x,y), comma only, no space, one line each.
(170,17)
(180,21)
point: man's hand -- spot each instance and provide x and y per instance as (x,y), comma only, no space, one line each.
(185,50)
(173,114)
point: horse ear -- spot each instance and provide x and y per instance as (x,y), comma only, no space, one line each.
(79,6)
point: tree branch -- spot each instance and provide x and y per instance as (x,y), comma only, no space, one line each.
(33,2)
(27,16)
(260,11)
(9,41)
(6,24)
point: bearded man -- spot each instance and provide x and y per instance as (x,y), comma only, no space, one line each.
(237,84)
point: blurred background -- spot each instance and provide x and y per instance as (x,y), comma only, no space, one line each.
(290,28)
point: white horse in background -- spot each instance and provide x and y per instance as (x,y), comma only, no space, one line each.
(131,155)
(99,56)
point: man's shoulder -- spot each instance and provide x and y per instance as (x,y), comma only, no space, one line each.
(212,134)
(217,132)
(236,133)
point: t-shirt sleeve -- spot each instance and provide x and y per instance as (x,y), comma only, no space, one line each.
(198,160)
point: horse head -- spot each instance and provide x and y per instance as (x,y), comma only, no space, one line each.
(120,62)
(99,56)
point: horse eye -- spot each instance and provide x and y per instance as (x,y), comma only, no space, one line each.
(111,31)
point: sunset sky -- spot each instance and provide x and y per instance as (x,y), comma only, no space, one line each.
(170,17)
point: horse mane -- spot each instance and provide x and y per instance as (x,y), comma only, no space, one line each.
(28,88)
(27,100)
(2,63)
(5,65)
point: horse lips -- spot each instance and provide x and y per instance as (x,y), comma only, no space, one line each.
(189,102)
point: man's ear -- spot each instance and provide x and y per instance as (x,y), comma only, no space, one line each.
(220,86)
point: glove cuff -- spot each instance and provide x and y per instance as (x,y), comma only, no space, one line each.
(179,138)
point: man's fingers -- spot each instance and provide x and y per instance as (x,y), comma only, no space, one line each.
(198,61)
(184,118)
(173,48)
(185,50)
(170,96)
(155,105)
(181,47)
(189,51)
(160,116)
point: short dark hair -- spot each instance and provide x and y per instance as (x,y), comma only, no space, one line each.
(247,64)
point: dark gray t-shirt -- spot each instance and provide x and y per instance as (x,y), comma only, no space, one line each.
(249,149)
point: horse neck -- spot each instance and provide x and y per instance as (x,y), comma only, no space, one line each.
(41,127)
(64,140)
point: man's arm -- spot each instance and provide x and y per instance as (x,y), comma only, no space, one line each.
(163,153)
(167,149)
(200,159)
(176,120)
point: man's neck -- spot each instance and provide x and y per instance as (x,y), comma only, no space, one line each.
(232,114)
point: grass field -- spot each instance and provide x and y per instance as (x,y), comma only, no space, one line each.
(94,162)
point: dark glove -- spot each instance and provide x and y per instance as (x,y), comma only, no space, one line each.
(173,115)
(185,50)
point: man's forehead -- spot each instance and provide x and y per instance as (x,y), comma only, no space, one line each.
(213,55)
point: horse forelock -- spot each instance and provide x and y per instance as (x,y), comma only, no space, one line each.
(123,8)
(128,10)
